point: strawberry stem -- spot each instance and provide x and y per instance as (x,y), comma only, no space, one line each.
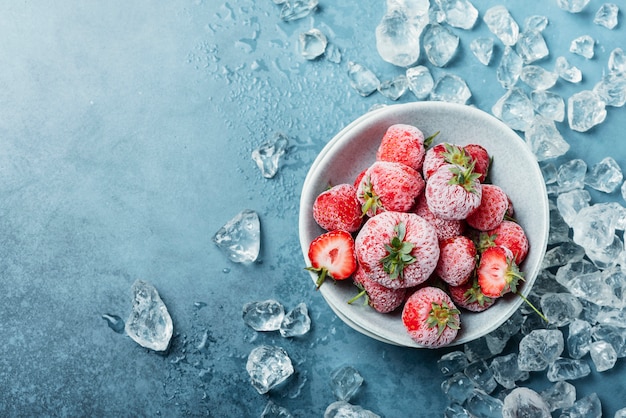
(358,296)
(529,303)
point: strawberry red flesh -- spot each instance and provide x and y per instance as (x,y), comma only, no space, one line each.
(332,255)
(497,272)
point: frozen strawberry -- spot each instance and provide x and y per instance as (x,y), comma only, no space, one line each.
(457,260)
(379,297)
(497,272)
(446,228)
(332,255)
(494,204)
(431,318)
(397,249)
(442,154)
(388,186)
(481,158)
(358,178)
(510,235)
(453,192)
(403,144)
(469,296)
(338,208)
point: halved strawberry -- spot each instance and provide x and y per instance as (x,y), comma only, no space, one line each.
(332,255)
(497,272)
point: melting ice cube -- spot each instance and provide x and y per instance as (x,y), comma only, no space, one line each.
(459,13)
(583,46)
(585,110)
(362,79)
(312,43)
(398,39)
(240,238)
(607,15)
(450,88)
(501,23)
(440,44)
(567,71)
(297,9)
(341,409)
(482,48)
(296,322)
(266,315)
(268,366)
(420,81)
(267,155)
(149,323)
(572,6)
(345,382)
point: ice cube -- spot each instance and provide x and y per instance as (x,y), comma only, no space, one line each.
(273,410)
(571,202)
(481,404)
(452,362)
(608,256)
(149,323)
(588,407)
(312,43)
(240,238)
(583,46)
(567,71)
(571,175)
(605,176)
(332,53)
(268,366)
(395,88)
(579,338)
(607,15)
(539,349)
(296,322)
(501,23)
(420,81)
(297,9)
(585,110)
(531,46)
(265,315)
(548,104)
(345,382)
(398,39)
(454,410)
(535,22)
(572,6)
(559,231)
(482,48)
(537,77)
(459,13)
(506,370)
(481,375)
(567,369)
(509,68)
(267,156)
(515,109)
(343,409)
(617,61)
(560,308)
(594,226)
(363,80)
(544,139)
(612,89)
(612,334)
(440,44)
(450,88)
(525,402)
(457,387)
(560,395)
(603,355)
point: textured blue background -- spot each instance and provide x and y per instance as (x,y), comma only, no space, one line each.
(125,137)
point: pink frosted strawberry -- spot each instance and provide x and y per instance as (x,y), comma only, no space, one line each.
(397,249)
(469,296)
(457,260)
(332,255)
(379,297)
(453,192)
(441,154)
(481,158)
(497,272)
(493,207)
(508,234)
(388,186)
(431,318)
(403,144)
(446,228)
(338,208)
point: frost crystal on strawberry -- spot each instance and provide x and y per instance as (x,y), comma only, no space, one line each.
(379,297)
(446,228)
(332,255)
(457,260)
(402,144)
(380,243)
(497,272)
(430,317)
(481,158)
(493,207)
(338,208)
(510,235)
(388,186)
(453,192)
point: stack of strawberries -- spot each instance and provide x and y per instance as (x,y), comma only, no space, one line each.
(423,229)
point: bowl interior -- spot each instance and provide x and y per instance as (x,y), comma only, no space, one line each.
(514,168)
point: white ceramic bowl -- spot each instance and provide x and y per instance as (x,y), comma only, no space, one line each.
(514,168)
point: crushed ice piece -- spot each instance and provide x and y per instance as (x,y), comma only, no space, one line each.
(268,366)
(559,230)
(267,156)
(571,202)
(544,139)
(620,413)
(537,77)
(501,23)
(149,323)
(548,170)
(594,226)
(458,387)
(567,369)
(273,410)
(333,53)
(439,44)
(114,322)
(579,338)
(613,335)
(605,176)
(531,46)
(524,402)
(482,48)
(583,46)
(608,256)
(240,238)
(481,404)
(481,375)
(420,81)
(515,109)
(617,61)
(585,281)
(509,68)
(297,9)
(572,6)
(477,349)
(588,407)
(398,38)
(548,104)
(535,22)
(312,43)
(560,308)
(343,409)
(567,71)
(395,88)
(452,362)
(560,395)
(607,15)
(603,355)
(450,88)
(506,371)
(459,13)
(363,80)
(562,254)
(585,110)
(455,410)
(539,349)
(265,315)
(345,382)
(612,89)
(296,322)
(497,339)
(571,175)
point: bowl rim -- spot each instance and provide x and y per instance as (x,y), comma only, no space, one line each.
(399,113)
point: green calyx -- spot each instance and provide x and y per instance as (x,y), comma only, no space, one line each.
(464,177)
(443,316)
(429,140)
(372,201)
(474,294)
(398,253)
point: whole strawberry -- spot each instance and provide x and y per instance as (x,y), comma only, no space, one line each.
(397,249)
(338,208)
(469,296)
(379,297)
(510,235)
(388,186)
(446,228)
(403,144)
(493,207)
(431,318)
(457,260)
(497,272)
(481,158)
(332,255)
(453,192)
(442,154)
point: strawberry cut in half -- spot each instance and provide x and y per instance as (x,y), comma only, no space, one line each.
(497,272)
(332,255)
